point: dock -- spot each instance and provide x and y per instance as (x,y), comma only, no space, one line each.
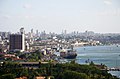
(114,69)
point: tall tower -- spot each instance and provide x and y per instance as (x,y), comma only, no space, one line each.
(37,33)
(22,31)
(31,32)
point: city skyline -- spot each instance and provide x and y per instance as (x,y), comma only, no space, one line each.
(100,16)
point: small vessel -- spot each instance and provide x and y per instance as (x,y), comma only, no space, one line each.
(68,53)
(117,45)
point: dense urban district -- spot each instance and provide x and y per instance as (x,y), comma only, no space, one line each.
(32,55)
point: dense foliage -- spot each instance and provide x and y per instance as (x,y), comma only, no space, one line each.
(10,70)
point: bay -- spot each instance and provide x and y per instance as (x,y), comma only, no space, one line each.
(108,55)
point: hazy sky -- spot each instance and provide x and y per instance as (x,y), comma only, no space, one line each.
(57,15)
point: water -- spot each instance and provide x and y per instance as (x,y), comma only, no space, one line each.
(108,55)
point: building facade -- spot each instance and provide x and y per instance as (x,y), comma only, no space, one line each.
(17,42)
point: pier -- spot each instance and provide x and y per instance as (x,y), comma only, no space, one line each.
(114,69)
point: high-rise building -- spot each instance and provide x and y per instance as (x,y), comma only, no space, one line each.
(37,33)
(17,41)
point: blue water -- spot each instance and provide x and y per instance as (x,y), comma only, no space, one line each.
(108,55)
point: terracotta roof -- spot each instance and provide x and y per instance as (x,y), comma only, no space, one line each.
(40,77)
(21,78)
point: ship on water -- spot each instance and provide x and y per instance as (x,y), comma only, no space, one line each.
(68,53)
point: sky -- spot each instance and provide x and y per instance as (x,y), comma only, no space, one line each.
(101,16)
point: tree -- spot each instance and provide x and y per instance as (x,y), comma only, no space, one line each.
(72,62)
(7,76)
(74,75)
(92,63)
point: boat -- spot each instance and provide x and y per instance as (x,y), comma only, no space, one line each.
(117,45)
(68,53)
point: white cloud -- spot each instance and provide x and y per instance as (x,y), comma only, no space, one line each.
(107,2)
(27,6)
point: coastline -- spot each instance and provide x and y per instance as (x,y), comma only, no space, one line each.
(99,54)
